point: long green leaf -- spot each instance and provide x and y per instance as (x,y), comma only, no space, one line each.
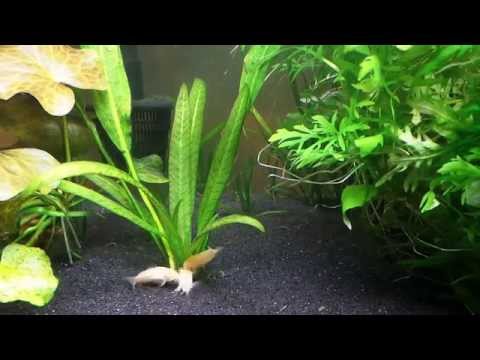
(179,164)
(231,219)
(197,99)
(53,213)
(256,67)
(112,188)
(106,203)
(170,228)
(223,159)
(217,129)
(78,168)
(113,106)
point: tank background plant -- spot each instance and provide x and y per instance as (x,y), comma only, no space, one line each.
(396,128)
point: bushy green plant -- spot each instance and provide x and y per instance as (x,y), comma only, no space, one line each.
(397,129)
(43,218)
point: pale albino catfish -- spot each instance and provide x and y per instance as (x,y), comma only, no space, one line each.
(183,277)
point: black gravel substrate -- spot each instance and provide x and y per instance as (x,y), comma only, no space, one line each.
(307,263)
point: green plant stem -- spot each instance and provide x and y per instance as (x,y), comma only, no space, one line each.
(66,140)
(67,242)
(44,223)
(74,232)
(93,129)
(212,133)
(53,227)
(267,131)
(151,209)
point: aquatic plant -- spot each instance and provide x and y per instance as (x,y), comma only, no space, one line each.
(298,63)
(25,272)
(43,218)
(170,227)
(243,186)
(395,127)
(43,70)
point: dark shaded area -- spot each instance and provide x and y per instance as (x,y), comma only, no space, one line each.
(24,123)
(307,263)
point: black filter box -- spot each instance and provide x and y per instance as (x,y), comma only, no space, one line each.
(151,120)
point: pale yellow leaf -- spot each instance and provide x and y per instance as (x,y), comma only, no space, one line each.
(43,71)
(18,167)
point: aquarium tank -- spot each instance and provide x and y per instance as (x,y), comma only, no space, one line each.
(239,180)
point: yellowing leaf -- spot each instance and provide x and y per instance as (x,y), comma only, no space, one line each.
(42,71)
(26,275)
(18,167)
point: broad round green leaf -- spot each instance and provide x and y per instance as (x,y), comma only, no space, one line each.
(368,144)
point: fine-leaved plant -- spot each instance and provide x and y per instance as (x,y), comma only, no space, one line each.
(395,128)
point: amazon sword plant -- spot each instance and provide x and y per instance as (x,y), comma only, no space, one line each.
(171,227)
